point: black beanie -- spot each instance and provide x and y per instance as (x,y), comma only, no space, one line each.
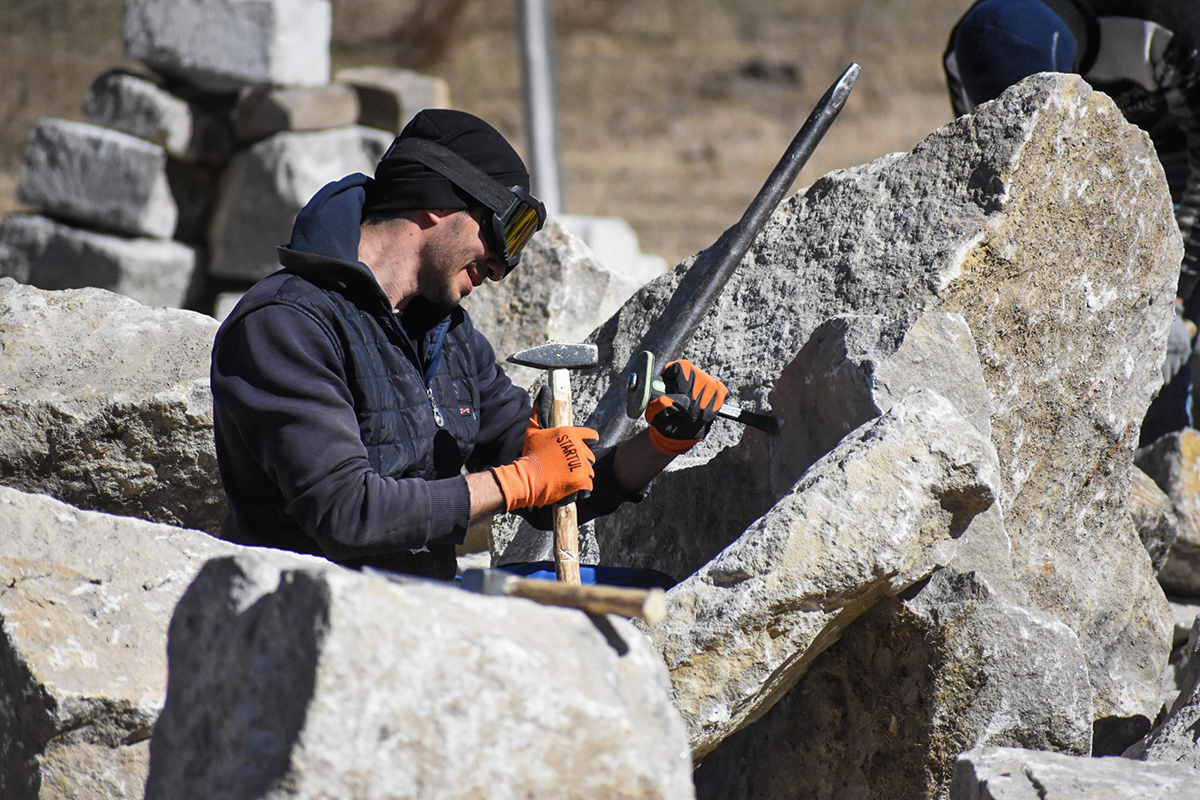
(402,184)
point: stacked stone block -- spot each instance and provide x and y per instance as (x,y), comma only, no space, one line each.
(185,177)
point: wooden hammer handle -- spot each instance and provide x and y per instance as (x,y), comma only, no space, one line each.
(566,521)
(647,604)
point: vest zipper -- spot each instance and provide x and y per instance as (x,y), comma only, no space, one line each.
(437,413)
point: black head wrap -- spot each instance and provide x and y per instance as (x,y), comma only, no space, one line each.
(402,184)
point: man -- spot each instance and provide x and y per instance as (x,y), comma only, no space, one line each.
(1145,54)
(350,389)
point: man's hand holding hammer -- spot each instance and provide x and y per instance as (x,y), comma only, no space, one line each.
(556,463)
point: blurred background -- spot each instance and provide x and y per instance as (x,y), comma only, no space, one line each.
(672,112)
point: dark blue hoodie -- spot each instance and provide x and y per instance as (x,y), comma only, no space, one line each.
(342,428)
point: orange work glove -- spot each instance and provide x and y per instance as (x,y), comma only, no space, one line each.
(682,415)
(557,463)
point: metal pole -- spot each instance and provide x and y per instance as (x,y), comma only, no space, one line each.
(536,31)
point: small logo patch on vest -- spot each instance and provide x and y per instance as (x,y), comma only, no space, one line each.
(464,411)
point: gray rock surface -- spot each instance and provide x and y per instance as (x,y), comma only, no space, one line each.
(264,112)
(877,514)
(85,600)
(1174,738)
(99,177)
(1173,461)
(1005,773)
(104,404)
(388,98)
(52,255)
(322,682)
(264,187)
(614,242)
(1154,517)
(560,292)
(142,107)
(1042,219)
(224,45)
(885,711)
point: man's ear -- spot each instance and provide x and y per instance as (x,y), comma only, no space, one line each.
(432,216)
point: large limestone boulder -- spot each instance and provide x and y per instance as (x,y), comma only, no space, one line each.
(964,662)
(560,292)
(1007,773)
(143,107)
(885,711)
(321,682)
(51,255)
(265,185)
(876,515)
(98,177)
(1173,461)
(1044,220)
(225,45)
(85,600)
(104,404)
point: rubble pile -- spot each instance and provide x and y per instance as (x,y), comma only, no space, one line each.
(188,174)
(942,578)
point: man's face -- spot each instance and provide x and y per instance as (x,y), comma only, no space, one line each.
(455,260)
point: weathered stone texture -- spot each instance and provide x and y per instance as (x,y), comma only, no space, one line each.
(560,292)
(99,177)
(85,599)
(1004,773)
(50,255)
(877,514)
(389,98)
(885,711)
(265,112)
(1173,461)
(1174,738)
(105,404)
(141,107)
(244,42)
(1044,220)
(265,186)
(322,682)
(1154,517)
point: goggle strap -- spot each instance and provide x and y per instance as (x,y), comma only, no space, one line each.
(456,169)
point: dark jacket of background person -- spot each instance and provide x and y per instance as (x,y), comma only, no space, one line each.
(341,428)
(1145,54)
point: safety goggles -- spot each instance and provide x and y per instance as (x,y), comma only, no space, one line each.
(512,215)
(508,231)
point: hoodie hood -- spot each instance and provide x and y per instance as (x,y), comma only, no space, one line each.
(329,224)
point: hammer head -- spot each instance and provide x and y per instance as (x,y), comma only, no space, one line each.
(558,355)
(486,581)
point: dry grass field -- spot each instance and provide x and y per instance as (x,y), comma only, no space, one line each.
(672,111)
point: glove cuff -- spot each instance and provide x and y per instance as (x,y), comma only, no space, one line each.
(669,446)
(519,481)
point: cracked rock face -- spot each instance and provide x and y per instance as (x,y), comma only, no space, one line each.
(320,682)
(1044,220)
(85,599)
(876,515)
(105,404)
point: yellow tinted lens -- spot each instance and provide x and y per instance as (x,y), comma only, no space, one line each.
(519,228)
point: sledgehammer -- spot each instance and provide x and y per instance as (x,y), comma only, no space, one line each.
(558,357)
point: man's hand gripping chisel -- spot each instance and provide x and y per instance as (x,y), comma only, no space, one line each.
(643,386)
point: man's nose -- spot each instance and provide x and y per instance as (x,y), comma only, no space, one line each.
(494,270)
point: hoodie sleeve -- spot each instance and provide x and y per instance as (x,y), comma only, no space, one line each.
(280,390)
